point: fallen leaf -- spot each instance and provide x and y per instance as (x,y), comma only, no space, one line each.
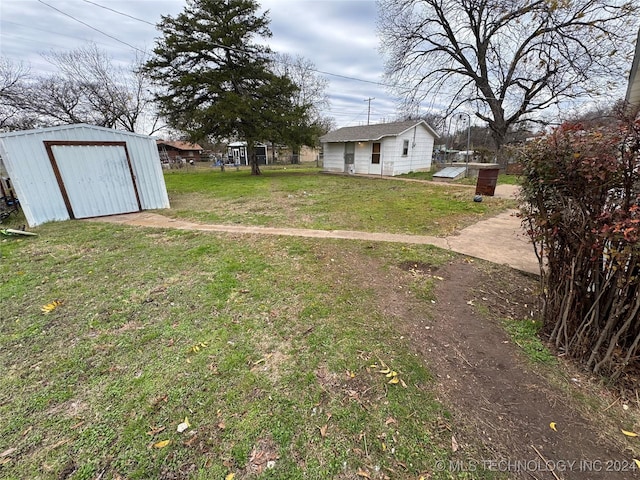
(58,444)
(386,370)
(363,473)
(390,420)
(51,306)
(392,374)
(323,430)
(161,444)
(552,426)
(7,452)
(191,441)
(454,444)
(222,426)
(629,434)
(4,460)
(637,462)
(155,430)
(403,384)
(394,380)
(230,476)
(384,446)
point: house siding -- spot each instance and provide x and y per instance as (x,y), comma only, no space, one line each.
(392,162)
(419,155)
(333,157)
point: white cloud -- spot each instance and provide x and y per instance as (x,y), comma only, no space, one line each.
(338,36)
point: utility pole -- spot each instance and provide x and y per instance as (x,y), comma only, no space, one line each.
(460,115)
(369,110)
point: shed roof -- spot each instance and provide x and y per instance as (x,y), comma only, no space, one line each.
(75,126)
(374,132)
(633,90)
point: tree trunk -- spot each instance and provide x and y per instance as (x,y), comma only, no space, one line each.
(253,158)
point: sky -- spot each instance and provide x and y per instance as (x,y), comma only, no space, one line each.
(338,36)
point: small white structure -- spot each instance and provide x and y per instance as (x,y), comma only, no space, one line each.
(382,149)
(81,171)
(633,89)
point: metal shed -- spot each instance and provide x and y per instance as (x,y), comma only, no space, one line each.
(81,171)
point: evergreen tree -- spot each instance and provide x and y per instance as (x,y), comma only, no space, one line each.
(217,82)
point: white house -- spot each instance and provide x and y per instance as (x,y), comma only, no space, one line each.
(81,171)
(383,149)
(633,90)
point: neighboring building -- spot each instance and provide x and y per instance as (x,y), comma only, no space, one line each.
(382,149)
(81,171)
(633,90)
(237,153)
(179,152)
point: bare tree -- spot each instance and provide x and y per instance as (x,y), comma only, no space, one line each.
(312,87)
(311,94)
(12,80)
(506,60)
(88,88)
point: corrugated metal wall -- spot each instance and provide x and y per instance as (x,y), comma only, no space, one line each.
(26,160)
(101,169)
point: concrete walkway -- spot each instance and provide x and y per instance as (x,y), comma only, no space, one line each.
(498,239)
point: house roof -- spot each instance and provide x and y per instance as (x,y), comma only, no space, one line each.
(633,90)
(180,145)
(373,132)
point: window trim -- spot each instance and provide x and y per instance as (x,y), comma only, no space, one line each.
(405,148)
(376,155)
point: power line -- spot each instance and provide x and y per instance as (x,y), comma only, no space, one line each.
(120,13)
(346,77)
(48,31)
(91,27)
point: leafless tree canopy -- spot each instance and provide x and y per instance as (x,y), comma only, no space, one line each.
(86,88)
(12,78)
(506,59)
(312,87)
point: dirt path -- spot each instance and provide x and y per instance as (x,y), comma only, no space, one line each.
(504,404)
(499,403)
(501,406)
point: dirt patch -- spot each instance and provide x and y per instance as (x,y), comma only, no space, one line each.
(263,456)
(502,408)
(501,402)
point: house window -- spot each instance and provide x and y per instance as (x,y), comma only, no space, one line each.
(405,148)
(375,153)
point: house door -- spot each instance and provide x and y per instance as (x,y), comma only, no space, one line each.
(376,167)
(95,178)
(349,157)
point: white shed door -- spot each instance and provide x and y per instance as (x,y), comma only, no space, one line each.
(97,179)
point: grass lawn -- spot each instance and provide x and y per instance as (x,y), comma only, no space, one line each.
(304,198)
(265,346)
(265,350)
